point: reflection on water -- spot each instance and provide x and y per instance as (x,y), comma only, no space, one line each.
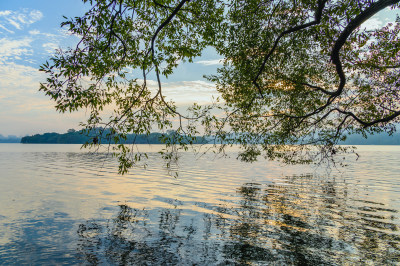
(273,224)
(69,207)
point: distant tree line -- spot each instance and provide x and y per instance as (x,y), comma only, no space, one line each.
(81,137)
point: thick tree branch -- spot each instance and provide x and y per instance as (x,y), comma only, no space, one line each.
(344,35)
(372,123)
(335,57)
(152,49)
(317,20)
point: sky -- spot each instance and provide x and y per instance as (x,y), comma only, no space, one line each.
(30,32)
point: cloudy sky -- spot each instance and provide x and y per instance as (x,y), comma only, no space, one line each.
(29,33)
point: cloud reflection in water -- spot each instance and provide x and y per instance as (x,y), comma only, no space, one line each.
(292,223)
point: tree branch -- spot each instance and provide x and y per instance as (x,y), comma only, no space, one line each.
(374,122)
(344,35)
(317,20)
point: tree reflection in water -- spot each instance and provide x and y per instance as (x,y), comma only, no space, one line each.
(301,221)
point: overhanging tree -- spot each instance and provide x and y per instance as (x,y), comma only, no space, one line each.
(296,74)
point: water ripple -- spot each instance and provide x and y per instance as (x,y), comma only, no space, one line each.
(60,205)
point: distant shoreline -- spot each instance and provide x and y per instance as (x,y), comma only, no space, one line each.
(76,137)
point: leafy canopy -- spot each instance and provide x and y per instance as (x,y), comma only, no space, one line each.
(296,73)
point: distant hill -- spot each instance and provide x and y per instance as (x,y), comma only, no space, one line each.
(9,139)
(377,139)
(76,137)
(56,138)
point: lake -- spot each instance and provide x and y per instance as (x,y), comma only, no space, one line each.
(60,205)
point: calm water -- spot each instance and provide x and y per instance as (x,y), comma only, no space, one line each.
(59,205)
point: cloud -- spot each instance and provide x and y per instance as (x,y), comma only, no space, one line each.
(34,32)
(34,15)
(18,80)
(186,92)
(5,13)
(50,47)
(9,48)
(18,19)
(15,24)
(58,36)
(25,110)
(372,24)
(4,28)
(18,87)
(31,47)
(211,62)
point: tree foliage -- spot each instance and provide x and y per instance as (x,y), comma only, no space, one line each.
(77,137)
(296,74)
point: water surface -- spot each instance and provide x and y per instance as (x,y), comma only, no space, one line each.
(61,205)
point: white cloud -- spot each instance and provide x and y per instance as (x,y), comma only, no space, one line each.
(14,77)
(211,62)
(14,23)
(5,13)
(372,24)
(11,48)
(4,28)
(50,47)
(25,110)
(34,15)
(19,19)
(36,43)
(186,92)
(34,32)
(19,85)
(189,92)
